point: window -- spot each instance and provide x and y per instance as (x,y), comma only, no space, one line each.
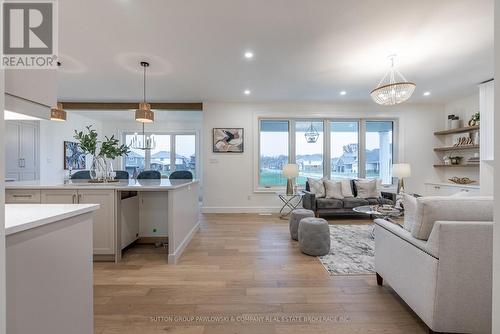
(309,150)
(331,148)
(378,152)
(172,152)
(274,148)
(344,147)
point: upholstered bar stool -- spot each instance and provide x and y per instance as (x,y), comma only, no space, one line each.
(314,236)
(295,217)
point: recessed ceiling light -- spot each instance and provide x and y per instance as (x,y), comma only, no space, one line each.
(343,92)
(248,54)
(427,93)
(247,92)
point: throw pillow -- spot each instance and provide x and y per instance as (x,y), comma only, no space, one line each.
(317,187)
(333,189)
(346,189)
(410,207)
(367,189)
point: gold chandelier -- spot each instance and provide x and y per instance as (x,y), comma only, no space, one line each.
(393,88)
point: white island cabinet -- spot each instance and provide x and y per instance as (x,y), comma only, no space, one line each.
(129,209)
(49,268)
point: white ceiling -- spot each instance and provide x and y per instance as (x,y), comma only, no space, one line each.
(305,50)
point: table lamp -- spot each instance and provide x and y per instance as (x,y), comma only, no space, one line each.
(401,171)
(290,171)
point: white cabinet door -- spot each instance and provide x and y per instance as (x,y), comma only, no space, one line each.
(22,196)
(486,107)
(28,148)
(59,196)
(12,159)
(104,218)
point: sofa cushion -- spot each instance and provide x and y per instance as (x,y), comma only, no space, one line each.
(410,206)
(446,208)
(316,187)
(350,203)
(367,188)
(329,203)
(333,189)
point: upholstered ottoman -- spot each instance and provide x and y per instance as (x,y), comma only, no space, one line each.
(295,217)
(314,236)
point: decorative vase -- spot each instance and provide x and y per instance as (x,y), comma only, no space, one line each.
(97,168)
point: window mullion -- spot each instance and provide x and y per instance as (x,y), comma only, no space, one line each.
(172,153)
(362,149)
(327,150)
(292,158)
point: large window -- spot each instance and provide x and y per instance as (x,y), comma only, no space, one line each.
(378,152)
(274,147)
(172,152)
(344,146)
(357,148)
(309,150)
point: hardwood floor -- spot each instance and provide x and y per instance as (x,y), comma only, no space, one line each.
(241,265)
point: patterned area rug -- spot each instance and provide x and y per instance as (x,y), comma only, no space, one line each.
(352,250)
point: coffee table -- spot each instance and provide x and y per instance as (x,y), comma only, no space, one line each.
(375,210)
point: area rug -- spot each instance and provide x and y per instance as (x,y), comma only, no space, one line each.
(352,250)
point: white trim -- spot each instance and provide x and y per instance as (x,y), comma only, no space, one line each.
(229,209)
(175,256)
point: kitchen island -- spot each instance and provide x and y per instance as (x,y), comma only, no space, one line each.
(129,210)
(49,268)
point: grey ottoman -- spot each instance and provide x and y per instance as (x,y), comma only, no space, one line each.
(314,236)
(295,217)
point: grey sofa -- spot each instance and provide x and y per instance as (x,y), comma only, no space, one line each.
(332,206)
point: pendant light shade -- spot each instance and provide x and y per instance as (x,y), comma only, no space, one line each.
(58,113)
(393,88)
(144,114)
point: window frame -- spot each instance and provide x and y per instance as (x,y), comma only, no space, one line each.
(258,188)
(172,134)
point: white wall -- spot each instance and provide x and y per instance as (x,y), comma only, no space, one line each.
(52,137)
(229,178)
(496,226)
(2,208)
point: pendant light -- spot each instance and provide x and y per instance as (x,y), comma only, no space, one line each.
(57,113)
(311,134)
(144,114)
(393,88)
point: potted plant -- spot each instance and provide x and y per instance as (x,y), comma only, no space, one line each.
(111,149)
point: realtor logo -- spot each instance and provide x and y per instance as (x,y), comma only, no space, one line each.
(29,37)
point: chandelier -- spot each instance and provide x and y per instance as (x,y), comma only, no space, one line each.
(143,115)
(393,88)
(311,134)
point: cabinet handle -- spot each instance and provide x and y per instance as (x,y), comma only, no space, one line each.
(22,196)
(436,187)
(79,198)
(74,199)
(20,163)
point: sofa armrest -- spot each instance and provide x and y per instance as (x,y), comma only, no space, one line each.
(388,195)
(464,277)
(309,201)
(405,235)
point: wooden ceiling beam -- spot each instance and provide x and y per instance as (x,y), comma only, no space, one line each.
(71,105)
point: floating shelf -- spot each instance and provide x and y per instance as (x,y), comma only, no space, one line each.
(458,130)
(460,165)
(456,148)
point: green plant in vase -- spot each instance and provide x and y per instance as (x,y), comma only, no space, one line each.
(111,149)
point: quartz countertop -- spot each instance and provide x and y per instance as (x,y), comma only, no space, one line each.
(131,185)
(22,217)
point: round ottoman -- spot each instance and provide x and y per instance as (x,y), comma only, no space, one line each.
(314,236)
(295,217)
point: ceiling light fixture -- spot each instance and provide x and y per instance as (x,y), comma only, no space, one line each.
(248,54)
(343,92)
(247,92)
(57,113)
(144,114)
(393,88)
(311,134)
(427,93)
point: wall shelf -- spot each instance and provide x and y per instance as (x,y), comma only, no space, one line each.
(458,130)
(460,165)
(456,148)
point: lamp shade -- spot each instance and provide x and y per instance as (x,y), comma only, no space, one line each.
(290,170)
(401,170)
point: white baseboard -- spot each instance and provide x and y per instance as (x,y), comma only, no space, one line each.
(174,257)
(215,209)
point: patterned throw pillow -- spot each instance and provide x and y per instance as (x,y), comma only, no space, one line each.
(317,187)
(333,189)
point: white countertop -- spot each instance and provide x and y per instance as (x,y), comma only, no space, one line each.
(22,217)
(131,185)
